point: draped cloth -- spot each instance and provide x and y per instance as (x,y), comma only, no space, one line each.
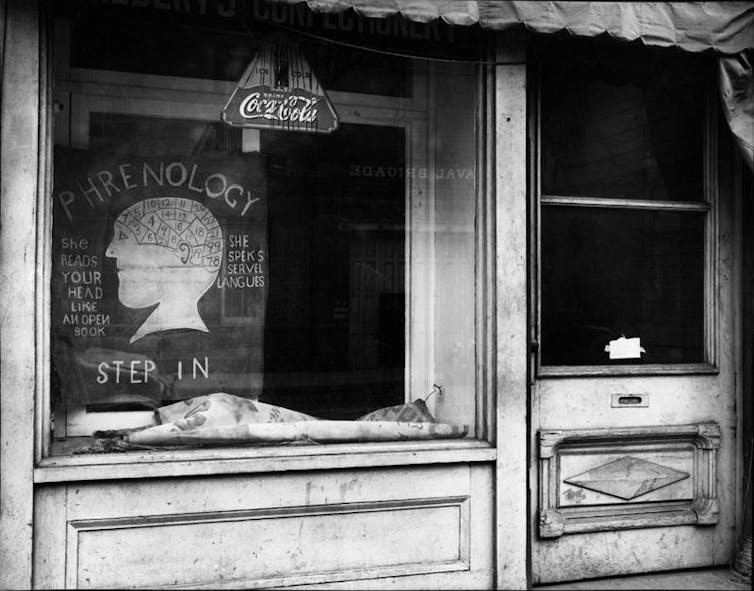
(220,418)
(737,94)
(724,27)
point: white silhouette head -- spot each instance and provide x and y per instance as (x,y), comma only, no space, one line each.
(168,251)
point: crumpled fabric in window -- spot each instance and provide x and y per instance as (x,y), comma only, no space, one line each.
(220,418)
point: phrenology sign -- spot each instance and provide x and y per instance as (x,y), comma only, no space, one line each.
(159,275)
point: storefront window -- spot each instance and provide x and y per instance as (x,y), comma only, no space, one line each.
(625,213)
(320,275)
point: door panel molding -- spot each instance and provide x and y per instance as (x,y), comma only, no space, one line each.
(627,478)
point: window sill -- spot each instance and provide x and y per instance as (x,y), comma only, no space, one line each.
(215,461)
(658,369)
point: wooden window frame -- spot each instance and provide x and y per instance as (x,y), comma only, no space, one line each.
(708,206)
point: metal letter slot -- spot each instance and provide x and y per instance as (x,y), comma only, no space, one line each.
(629,400)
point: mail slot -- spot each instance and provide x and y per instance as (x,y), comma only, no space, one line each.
(629,400)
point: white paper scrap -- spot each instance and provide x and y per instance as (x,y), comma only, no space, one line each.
(624,348)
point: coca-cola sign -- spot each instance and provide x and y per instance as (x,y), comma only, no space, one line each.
(276,106)
(280,91)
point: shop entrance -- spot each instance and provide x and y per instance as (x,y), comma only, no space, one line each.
(632,475)
(633,424)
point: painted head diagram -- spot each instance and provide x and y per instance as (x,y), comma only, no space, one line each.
(168,252)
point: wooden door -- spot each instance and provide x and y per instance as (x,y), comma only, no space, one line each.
(624,490)
(633,398)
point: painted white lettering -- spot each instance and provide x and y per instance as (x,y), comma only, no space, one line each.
(117,364)
(249,202)
(74,244)
(149,365)
(191,180)
(134,378)
(223,185)
(198,366)
(102,377)
(148,169)
(92,189)
(78,260)
(233,202)
(126,176)
(85,306)
(171,178)
(66,198)
(106,178)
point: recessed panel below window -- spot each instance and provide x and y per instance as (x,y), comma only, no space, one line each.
(621,286)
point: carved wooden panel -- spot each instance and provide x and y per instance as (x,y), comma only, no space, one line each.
(600,478)
(269,547)
(608,479)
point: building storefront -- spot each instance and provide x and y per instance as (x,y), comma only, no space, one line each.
(307,294)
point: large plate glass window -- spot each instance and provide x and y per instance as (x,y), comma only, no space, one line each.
(625,208)
(317,276)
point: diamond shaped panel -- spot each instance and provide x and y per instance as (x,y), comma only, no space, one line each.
(627,478)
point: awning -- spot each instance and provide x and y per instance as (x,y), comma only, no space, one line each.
(726,27)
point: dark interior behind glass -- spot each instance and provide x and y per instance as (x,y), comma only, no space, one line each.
(334,334)
(622,124)
(609,273)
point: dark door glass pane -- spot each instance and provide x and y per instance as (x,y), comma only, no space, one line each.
(622,125)
(612,273)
